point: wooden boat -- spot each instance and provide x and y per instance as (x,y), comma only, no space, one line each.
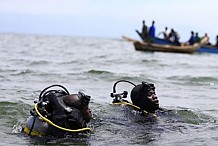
(154,47)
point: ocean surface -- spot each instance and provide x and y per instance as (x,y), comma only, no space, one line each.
(186,84)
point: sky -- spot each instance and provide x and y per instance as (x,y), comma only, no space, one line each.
(108,18)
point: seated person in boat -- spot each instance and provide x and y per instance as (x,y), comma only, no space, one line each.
(164,33)
(143,97)
(174,37)
(207,42)
(191,40)
(197,38)
(58,113)
(144,33)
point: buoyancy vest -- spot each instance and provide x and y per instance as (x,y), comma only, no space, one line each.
(63,115)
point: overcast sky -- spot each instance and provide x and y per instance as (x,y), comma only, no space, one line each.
(108,18)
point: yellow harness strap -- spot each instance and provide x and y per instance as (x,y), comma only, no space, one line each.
(127,103)
(62,128)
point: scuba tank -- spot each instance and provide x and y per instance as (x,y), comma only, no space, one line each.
(35,126)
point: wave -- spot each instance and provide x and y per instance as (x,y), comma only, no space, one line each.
(98,72)
(131,127)
(13,114)
(13,109)
(184,115)
(114,76)
(40,62)
(190,80)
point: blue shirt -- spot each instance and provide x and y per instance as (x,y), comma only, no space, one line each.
(191,40)
(152,31)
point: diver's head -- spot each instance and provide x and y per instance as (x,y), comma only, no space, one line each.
(143,96)
(79,101)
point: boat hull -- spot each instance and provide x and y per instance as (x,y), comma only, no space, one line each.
(144,46)
(208,49)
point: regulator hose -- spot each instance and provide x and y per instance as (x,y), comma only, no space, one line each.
(55,85)
(114,87)
(59,127)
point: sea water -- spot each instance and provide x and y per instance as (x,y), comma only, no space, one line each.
(186,84)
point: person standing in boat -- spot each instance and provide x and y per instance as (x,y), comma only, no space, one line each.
(144,33)
(152,32)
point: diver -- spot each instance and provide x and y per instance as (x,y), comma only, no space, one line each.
(143,97)
(59,113)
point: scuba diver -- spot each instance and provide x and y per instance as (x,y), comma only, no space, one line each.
(59,113)
(143,98)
